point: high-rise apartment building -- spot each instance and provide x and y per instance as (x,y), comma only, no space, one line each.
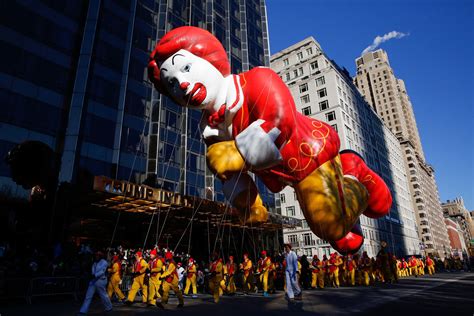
(388,97)
(176,153)
(323,90)
(455,210)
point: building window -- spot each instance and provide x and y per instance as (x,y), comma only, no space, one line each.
(288,76)
(320,81)
(308,239)
(305,99)
(322,93)
(295,72)
(314,65)
(309,51)
(303,87)
(306,110)
(323,105)
(335,127)
(290,211)
(331,116)
(300,71)
(300,55)
(293,239)
(282,198)
(286,62)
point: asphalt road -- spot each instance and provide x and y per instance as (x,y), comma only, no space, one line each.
(443,294)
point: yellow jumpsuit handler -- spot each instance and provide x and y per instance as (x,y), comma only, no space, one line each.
(216,271)
(365,266)
(228,283)
(170,277)
(430,265)
(265,271)
(191,278)
(114,282)
(156,266)
(139,270)
(351,266)
(247,268)
(317,273)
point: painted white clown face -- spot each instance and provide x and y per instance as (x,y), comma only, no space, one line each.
(191,80)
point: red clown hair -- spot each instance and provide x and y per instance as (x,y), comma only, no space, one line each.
(193,39)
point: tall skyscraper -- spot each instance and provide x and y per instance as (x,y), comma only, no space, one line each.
(325,91)
(176,152)
(388,96)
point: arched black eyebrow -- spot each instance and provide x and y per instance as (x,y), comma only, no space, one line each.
(172,59)
(164,69)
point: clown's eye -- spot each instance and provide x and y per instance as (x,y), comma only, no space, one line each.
(186,68)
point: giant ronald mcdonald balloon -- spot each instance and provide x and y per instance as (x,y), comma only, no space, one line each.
(250,123)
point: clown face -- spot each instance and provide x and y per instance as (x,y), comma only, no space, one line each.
(191,81)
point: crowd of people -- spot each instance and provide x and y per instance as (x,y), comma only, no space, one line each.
(153,273)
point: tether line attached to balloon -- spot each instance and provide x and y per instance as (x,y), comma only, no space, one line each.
(180,174)
(195,209)
(145,121)
(161,187)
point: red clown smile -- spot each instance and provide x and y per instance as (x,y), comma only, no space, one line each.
(197,95)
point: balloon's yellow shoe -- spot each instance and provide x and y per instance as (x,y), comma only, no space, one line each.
(257,213)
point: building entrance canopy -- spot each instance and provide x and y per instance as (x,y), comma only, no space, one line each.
(123,196)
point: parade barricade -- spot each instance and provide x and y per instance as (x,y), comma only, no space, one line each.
(15,288)
(48,286)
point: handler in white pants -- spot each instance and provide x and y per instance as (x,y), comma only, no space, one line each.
(292,287)
(98,283)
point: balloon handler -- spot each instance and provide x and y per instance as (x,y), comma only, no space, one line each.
(250,124)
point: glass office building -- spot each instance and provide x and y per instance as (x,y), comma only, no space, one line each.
(176,151)
(73,76)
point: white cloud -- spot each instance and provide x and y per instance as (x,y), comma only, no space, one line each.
(381,39)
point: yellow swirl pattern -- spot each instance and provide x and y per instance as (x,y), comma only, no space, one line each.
(317,134)
(368,178)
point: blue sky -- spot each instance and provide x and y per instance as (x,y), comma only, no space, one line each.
(436,61)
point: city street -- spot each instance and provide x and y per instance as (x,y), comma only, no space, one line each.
(446,293)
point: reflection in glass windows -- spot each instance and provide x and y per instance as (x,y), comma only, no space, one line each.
(98,130)
(29,113)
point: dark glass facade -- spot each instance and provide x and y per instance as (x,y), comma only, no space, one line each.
(176,152)
(72,75)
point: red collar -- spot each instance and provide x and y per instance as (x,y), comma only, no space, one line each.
(217,117)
